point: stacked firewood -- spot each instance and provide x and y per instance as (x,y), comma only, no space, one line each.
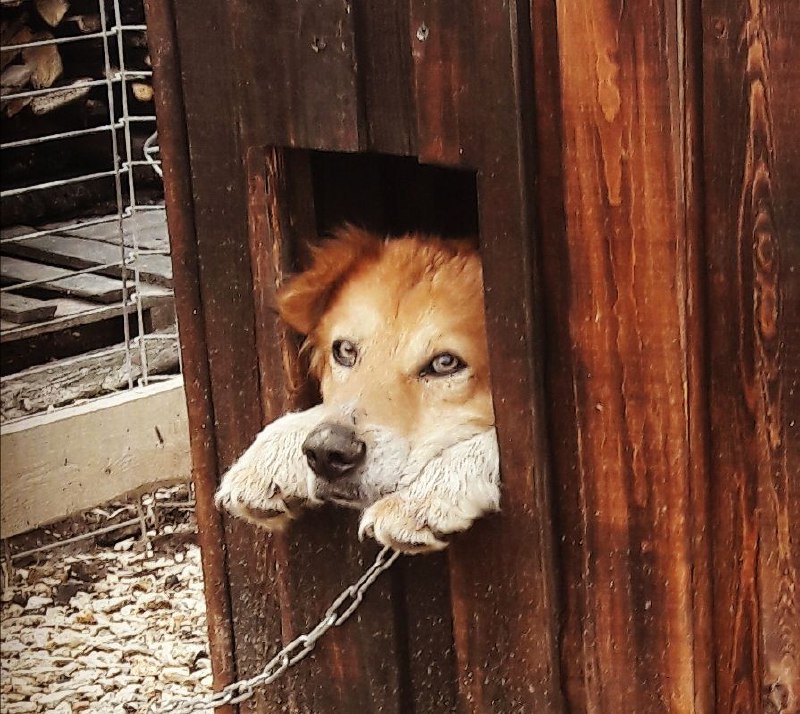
(49,87)
(42,65)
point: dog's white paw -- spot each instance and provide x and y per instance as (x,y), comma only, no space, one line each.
(453,490)
(402,525)
(273,512)
(271,483)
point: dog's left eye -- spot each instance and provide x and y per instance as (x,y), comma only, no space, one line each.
(345,352)
(442,365)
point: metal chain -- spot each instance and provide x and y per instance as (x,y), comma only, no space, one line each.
(296,650)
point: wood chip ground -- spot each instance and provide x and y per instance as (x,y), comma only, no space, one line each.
(114,630)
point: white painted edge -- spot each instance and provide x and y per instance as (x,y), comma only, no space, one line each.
(56,465)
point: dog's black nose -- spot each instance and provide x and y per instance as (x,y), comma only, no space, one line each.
(333,451)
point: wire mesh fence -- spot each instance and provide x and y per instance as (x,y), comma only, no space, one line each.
(86,278)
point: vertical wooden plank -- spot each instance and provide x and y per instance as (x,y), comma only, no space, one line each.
(174,145)
(752,145)
(295,68)
(355,667)
(384,72)
(576,664)
(628,466)
(225,285)
(435,200)
(473,94)
(424,620)
(442,49)
(689,185)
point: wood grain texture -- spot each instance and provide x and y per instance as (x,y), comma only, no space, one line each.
(295,70)
(502,570)
(752,175)
(355,667)
(189,308)
(50,470)
(220,193)
(625,461)
(442,47)
(383,54)
(577,663)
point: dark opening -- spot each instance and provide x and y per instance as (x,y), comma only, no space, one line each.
(393,195)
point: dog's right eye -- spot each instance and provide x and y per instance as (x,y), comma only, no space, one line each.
(442,365)
(344,352)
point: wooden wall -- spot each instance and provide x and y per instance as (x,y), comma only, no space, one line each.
(634,171)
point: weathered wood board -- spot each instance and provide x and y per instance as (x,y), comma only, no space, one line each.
(148,227)
(63,282)
(71,312)
(86,376)
(20,310)
(637,178)
(751,133)
(54,465)
(70,252)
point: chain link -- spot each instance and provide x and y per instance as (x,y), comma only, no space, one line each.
(296,650)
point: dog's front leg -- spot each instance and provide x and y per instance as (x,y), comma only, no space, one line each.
(271,482)
(454,489)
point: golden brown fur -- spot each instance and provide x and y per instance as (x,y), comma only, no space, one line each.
(407,299)
(400,306)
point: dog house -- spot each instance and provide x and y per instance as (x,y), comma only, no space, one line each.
(631,171)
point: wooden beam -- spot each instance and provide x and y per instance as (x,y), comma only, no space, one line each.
(57,280)
(55,465)
(71,313)
(86,376)
(752,181)
(626,376)
(67,251)
(20,309)
(191,313)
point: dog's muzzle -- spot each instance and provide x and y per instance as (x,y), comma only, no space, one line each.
(333,451)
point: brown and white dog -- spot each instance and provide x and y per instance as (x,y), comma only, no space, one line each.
(405,430)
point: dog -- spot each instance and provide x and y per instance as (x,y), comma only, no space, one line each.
(405,431)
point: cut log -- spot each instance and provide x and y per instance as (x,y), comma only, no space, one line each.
(142,92)
(77,253)
(61,97)
(87,23)
(90,375)
(96,288)
(15,76)
(21,310)
(45,61)
(52,11)
(14,33)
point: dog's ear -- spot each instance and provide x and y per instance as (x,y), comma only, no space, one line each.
(303,300)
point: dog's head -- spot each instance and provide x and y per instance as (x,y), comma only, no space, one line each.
(397,340)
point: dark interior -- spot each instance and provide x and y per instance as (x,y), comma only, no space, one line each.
(393,195)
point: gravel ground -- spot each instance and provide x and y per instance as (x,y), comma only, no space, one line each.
(121,628)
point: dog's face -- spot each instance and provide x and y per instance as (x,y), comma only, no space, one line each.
(406,428)
(397,334)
